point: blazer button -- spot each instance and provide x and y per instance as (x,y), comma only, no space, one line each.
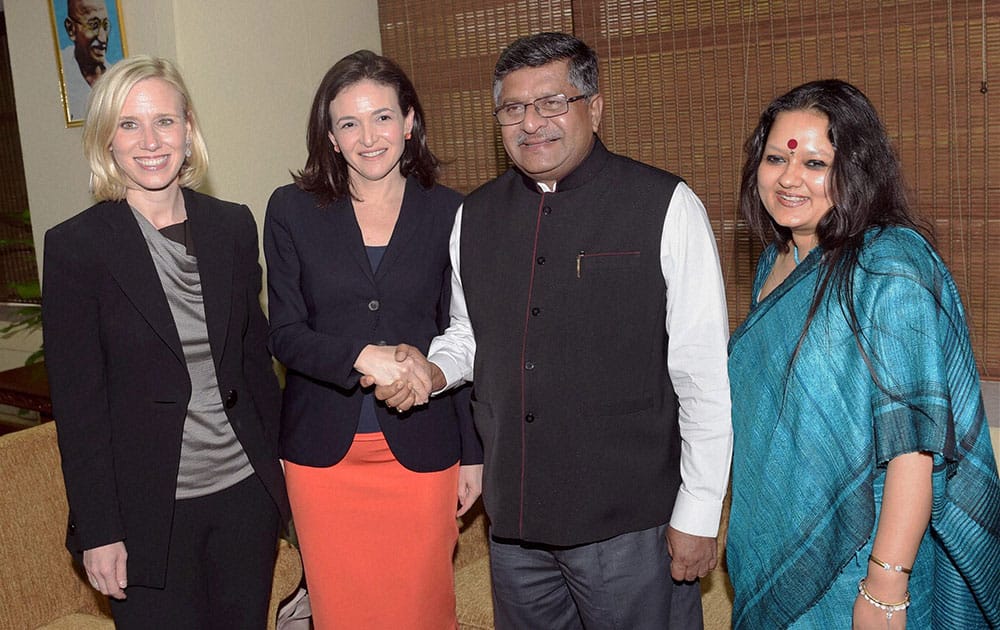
(231,398)
(529,418)
(72,528)
(373,305)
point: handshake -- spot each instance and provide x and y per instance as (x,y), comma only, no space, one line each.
(402,376)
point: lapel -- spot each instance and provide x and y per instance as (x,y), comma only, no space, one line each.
(214,245)
(411,216)
(344,229)
(131,266)
(344,224)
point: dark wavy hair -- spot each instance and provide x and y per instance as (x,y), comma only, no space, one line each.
(865,183)
(865,186)
(541,49)
(326,172)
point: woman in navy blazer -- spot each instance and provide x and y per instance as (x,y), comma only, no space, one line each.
(165,398)
(357,255)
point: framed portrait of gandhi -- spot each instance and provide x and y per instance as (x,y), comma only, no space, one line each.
(89,37)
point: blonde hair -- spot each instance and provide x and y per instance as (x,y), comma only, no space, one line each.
(107,99)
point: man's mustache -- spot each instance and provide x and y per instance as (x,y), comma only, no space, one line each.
(523,138)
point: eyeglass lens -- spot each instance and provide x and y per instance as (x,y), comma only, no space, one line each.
(546,106)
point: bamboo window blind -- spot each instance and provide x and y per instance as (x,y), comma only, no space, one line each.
(685,80)
(17,251)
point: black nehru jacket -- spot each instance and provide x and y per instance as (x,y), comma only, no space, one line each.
(572,397)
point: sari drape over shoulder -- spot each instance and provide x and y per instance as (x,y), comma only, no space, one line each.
(813,437)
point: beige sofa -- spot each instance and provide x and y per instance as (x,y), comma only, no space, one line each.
(39,585)
(472,578)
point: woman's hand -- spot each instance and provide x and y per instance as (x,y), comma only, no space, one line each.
(383,365)
(906,511)
(470,486)
(105,567)
(884,586)
(868,617)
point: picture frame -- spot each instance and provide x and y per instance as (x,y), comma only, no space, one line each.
(81,54)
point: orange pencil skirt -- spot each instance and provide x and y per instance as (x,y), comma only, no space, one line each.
(377,540)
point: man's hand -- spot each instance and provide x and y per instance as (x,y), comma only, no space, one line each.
(470,486)
(691,556)
(404,393)
(105,568)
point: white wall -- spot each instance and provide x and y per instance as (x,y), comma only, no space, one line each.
(251,73)
(253,76)
(53,161)
(991,400)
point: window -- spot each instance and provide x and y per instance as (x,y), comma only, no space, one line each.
(18,268)
(685,80)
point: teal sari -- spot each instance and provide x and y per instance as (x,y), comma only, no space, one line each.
(812,438)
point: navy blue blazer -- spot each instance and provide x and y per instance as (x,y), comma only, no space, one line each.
(325,305)
(119,381)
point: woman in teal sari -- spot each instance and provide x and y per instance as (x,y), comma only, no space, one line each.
(865,490)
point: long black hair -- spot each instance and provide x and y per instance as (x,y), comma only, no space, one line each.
(865,186)
(865,183)
(326,172)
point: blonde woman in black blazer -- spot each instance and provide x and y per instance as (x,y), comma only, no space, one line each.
(357,255)
(165,400)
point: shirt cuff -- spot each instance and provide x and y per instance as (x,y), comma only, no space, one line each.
(698,517)
(450,368)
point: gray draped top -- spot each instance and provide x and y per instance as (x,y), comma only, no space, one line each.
(212,458)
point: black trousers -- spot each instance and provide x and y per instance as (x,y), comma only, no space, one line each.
(219,567)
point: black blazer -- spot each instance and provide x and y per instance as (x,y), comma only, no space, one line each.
(325,305)
(120,386)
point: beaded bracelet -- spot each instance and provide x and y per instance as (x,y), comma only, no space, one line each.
(888,567)
(885,606)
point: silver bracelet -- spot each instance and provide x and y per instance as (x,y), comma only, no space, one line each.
(885,606)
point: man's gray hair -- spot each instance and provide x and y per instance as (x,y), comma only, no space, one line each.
(538,50)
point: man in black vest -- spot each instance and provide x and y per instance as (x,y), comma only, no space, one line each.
(589,306)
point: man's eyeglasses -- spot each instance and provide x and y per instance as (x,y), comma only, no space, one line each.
(546,106)
(94,25)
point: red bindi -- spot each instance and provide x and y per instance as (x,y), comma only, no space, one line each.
(792,143)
